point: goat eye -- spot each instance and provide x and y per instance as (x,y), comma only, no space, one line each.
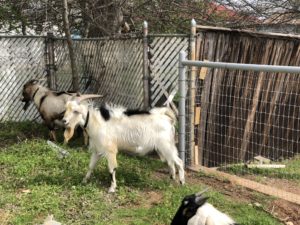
(76,112)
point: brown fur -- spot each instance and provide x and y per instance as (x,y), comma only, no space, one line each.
(43,97)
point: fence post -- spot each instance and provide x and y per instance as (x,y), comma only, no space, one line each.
(146,78)
(192,95)
(181,110)
(50,61)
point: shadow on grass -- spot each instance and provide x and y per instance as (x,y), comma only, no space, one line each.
(15,132)
(133,172)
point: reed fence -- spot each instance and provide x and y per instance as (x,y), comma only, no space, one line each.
(241,122)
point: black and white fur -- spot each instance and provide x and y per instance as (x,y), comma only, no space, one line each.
(194,210)
(111,129)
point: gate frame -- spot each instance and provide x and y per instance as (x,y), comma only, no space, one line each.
(183,129)
(183,63)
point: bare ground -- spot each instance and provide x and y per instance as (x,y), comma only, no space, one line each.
(280,209)
(292,186)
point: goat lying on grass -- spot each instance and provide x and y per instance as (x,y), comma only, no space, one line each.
(50,104)
(113,128)
(194,210)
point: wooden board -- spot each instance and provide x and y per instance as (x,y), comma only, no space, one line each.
(197,115)
(196,154)
(291,197)
(203,72)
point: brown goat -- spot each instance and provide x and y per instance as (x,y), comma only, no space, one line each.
(51,106)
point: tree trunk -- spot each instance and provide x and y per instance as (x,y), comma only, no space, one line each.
(75,82)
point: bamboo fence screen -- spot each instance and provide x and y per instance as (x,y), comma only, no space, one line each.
(246,124)
(245,114)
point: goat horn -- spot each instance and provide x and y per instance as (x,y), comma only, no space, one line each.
(202,192)
(84,97)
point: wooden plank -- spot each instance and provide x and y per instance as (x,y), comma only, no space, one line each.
(196,154)
(265,166)
(255,102)
(288,196)
(197,115)
(203,72)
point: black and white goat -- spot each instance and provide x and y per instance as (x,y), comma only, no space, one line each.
(111,129)
(194,210)
(50,104)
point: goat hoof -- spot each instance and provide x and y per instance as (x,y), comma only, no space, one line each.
(111,190)
(84,181)
(182,182)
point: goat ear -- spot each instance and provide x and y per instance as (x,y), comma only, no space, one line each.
(34,81)
(84,97)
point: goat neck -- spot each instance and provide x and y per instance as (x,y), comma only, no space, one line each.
(89,120)
(39,93)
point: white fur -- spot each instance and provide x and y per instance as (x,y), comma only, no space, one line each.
(137,134)
(209,215)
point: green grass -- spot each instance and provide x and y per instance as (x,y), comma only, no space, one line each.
(145,195)
(291,171)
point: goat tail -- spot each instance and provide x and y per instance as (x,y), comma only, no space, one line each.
(169,112)
(165,111)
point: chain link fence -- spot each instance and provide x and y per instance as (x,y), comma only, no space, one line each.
(21,59)
(112,67)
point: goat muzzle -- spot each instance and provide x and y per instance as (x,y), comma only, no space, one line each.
(65,122)
(27,104)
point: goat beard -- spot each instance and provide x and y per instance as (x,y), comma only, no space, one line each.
(68,134)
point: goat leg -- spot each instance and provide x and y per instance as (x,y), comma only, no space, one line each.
(112,165)
(53,135)
(93,161)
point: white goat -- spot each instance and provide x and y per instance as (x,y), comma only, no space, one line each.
(113,128)
(194,210)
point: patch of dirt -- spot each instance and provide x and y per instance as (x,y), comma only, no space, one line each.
(285,211)
(283,184)
(282,210)
(4,217)
(153,198)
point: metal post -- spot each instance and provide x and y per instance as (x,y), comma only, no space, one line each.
(146,78)
(241,66)
(181,110)
(192,94)
(50,61)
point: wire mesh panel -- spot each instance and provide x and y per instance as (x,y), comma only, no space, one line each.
(247,123)
(164,67)
(21,59)
(250,115)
